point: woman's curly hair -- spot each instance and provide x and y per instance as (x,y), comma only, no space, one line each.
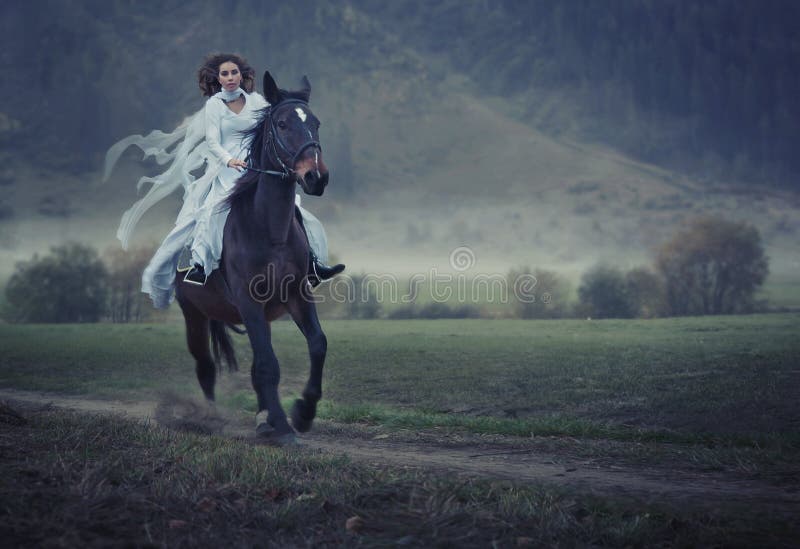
(208,73)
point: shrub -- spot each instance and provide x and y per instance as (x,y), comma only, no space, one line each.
(538,294)
(645,291)
(603,293)
(714,266)
(68,285)
(364,301)
(126,302)
(435,310)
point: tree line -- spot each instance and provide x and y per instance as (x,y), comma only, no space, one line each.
(713,266)
(708,86)
(74,283)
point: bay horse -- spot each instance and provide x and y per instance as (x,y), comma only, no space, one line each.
(264,266)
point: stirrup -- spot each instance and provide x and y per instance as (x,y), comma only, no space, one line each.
(319,273)
(196,275)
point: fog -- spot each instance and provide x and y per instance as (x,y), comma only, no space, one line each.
(432,146)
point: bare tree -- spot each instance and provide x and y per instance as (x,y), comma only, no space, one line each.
(714,266)
(126,303)
(645,291)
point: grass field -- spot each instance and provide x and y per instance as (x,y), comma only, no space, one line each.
(695,376)
(715,394)
(781,291)
(72,480)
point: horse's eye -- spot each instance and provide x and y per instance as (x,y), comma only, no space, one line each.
(282,125)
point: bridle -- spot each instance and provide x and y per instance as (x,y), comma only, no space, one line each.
(273,141)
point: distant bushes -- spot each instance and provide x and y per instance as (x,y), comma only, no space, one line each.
(712,266)
(435,310)
(608,292)
(126,302)
(538,293)
(363,303)
(68,285)
(645,293)
(74,284)
(604,294)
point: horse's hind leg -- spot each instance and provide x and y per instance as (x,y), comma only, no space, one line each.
(197,338)
(304,313)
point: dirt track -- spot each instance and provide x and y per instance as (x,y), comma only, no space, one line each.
(478,460)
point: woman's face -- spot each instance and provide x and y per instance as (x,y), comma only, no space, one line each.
(229,76)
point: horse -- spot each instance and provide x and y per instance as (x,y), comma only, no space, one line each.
(264,265)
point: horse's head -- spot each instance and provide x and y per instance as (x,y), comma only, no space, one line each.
(293,136)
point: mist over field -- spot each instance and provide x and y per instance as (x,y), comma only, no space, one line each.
(541,134)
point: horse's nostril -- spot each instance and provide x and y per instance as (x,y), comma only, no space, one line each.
(310,177)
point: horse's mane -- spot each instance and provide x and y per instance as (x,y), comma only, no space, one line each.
(246,184)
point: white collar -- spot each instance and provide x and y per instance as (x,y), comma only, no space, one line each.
(229,96)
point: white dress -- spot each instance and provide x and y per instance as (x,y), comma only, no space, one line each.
(211,135)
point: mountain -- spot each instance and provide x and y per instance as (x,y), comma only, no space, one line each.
(708,87)
(515,129)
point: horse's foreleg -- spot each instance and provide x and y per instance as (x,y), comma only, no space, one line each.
(304,313)
(265,374)
(197,341)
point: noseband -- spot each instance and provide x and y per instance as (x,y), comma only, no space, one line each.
(273,141)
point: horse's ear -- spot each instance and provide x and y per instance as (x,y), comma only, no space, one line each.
(305,90)
(270,89)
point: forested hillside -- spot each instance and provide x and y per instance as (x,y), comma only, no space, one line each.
(707,87)
(711,87)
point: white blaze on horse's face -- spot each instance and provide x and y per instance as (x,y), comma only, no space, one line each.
(301,114)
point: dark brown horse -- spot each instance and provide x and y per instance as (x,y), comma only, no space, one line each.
(263,271)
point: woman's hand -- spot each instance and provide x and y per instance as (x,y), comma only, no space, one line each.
(240,165)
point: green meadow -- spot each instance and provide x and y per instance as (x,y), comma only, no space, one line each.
(704,396)
(720,376)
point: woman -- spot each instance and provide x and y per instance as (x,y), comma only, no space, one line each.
(211,136)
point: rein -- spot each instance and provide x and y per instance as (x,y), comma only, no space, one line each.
(282,175)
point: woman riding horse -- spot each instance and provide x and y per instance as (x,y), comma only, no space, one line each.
(263,272)
(214,135)
(264,253)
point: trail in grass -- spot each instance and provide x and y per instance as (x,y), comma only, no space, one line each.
(480,460)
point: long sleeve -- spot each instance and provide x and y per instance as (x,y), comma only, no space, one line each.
(213,115)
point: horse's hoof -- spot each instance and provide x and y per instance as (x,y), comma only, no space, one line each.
(276,432)
(300,416)
(269,435)
(264,429)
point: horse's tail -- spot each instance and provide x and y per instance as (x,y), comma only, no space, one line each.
(221,344)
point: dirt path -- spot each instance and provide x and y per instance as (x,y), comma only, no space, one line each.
(484,460)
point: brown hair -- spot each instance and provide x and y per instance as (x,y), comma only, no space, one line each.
(207,74)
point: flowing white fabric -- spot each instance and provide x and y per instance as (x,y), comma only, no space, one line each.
(212,135)
(229,96)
